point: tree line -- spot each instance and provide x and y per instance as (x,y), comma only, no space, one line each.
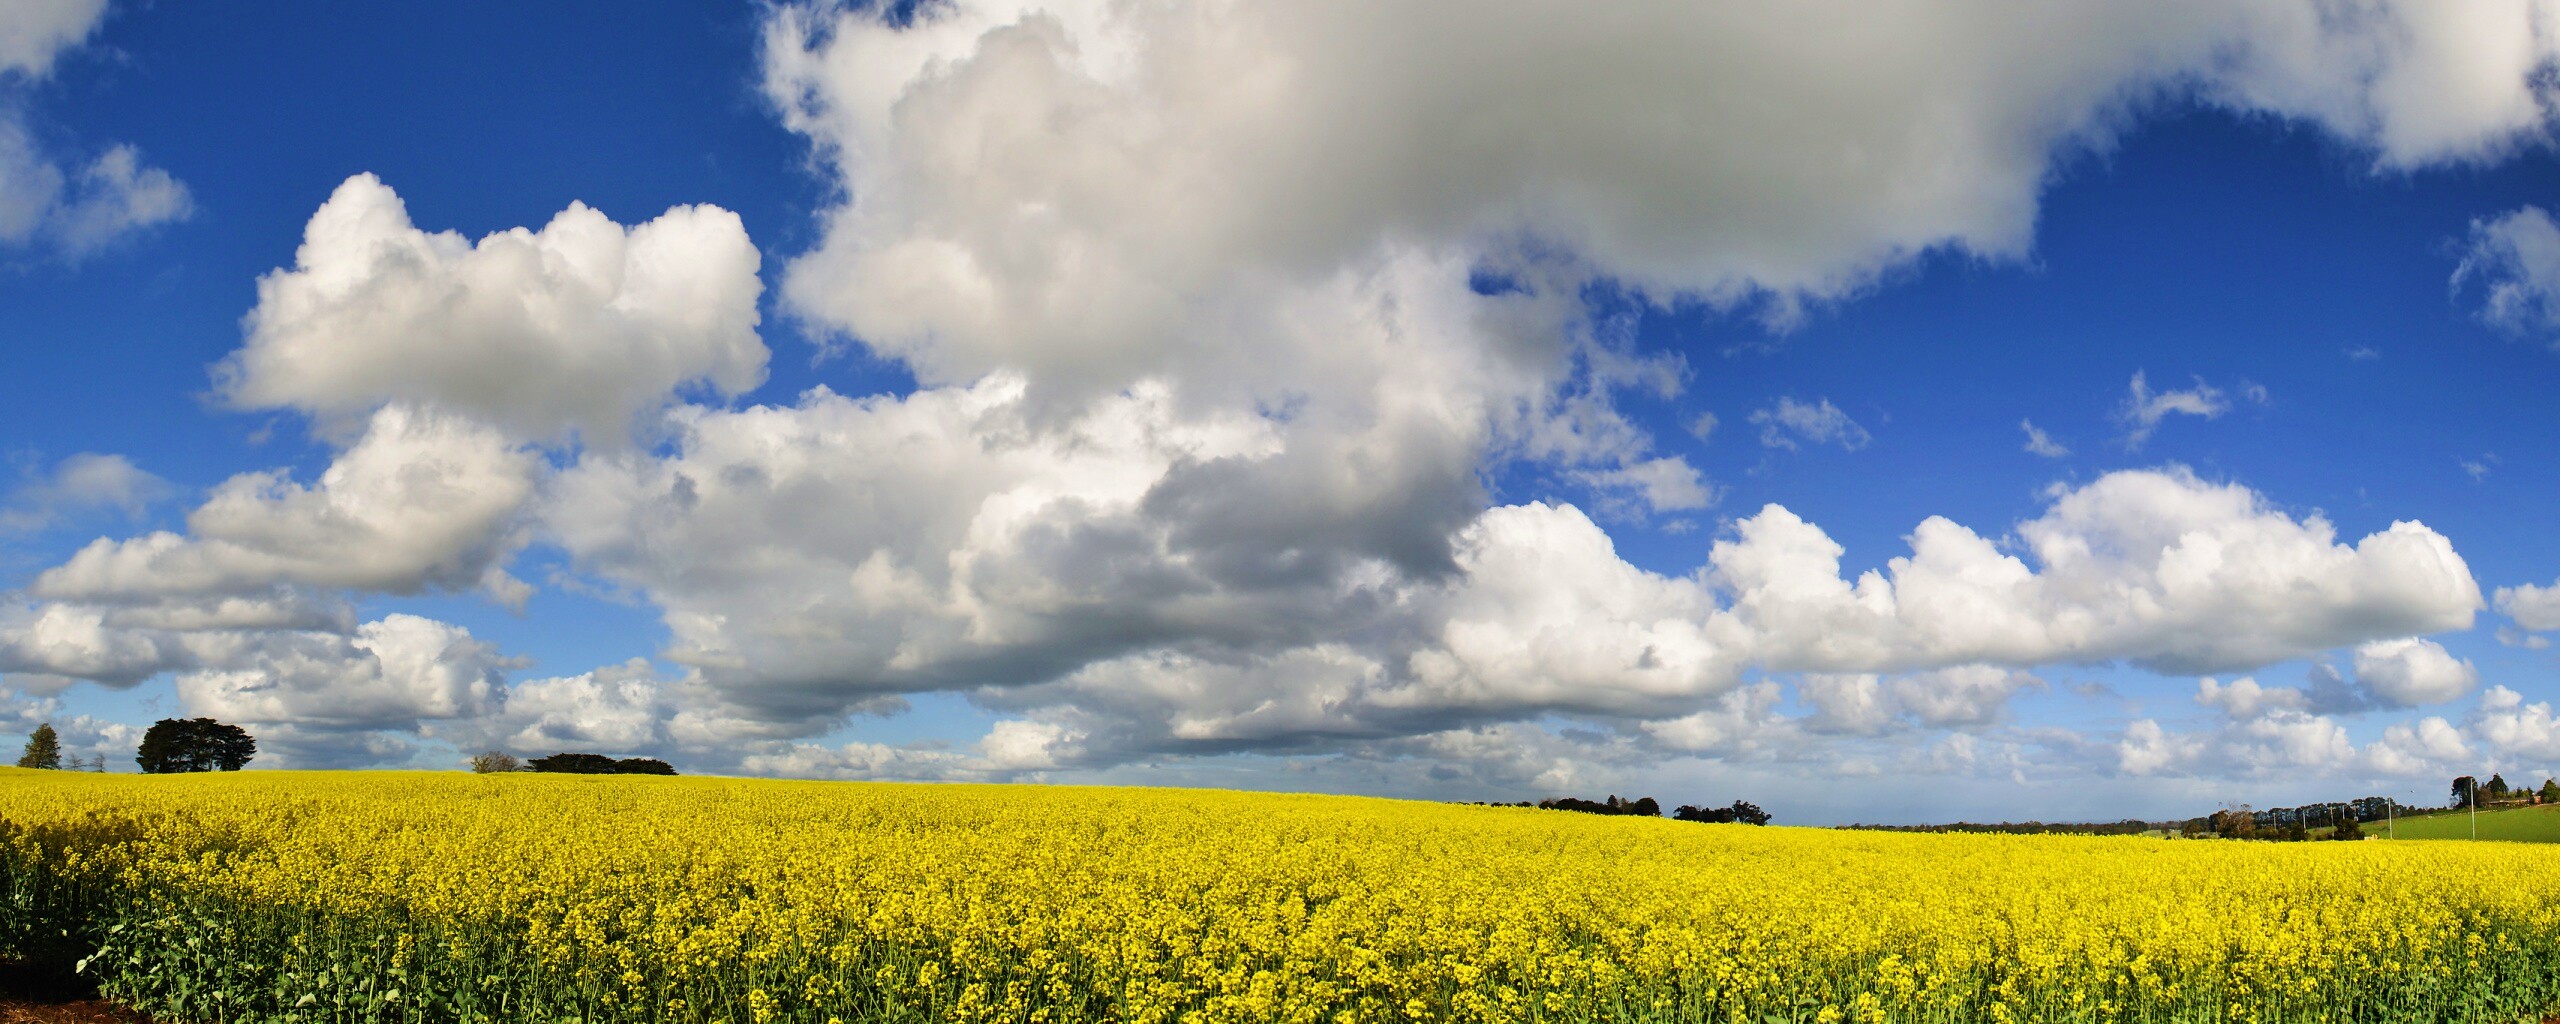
(1739,812)
(571,764)
(178,745)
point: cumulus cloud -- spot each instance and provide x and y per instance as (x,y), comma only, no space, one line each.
(2243,698)
(2144,409)
(2429,746)
(578,328)
(2411,672)
(390,674)
(1817,423)
(2514,258)
(1965,696)
(2158,568)
(2285,741)
(1058,188)
(424,500)
(2531,607)
(2508,725)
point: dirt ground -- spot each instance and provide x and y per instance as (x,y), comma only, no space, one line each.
(35,995)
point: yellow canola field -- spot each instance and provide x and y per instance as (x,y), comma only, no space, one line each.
(448,897)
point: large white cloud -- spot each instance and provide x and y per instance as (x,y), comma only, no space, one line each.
(390,674)
(424,499)
(32,32)
(2410,672)
(579,327)
(2158,568)
(1076,189)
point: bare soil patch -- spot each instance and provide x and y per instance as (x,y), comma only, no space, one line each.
(34,994)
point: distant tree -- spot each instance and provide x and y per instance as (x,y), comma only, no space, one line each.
(44,749)
(2463,790)
(493,762)
(2497,786)
(2295,831)
(2551,791)
(598,764)
(1742,812)
(194,745)
(2347,829)
(574,764)
(2235,822)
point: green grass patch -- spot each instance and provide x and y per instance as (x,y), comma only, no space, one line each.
(2514,824)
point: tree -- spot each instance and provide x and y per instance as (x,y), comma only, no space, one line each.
(2497,786)
(2348,829)
(2235,822)
(44,749)
(2551,791)
(598,764)
(494,761)
(1742,811)
(2462,790)
(175,745)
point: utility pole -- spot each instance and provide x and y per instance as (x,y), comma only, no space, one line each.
(2475,809)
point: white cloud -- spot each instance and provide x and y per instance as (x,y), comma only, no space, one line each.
(423,500)
(2508,725)
(1816,423)
(81,483)
(2411,672)
(2243,698)
(1062,188)
(580,327)
(33,32)
(2533,608)
(2041,443)
(2144,409)
(78,211)
(1667,484)
(2280,741)
(390,674)
(1964,696)
(2430,746)
(2154,567)
(2515,259)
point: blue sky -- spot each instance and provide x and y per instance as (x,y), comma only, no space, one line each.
(1206,465)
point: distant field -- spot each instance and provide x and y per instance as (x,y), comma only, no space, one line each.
(2517,825)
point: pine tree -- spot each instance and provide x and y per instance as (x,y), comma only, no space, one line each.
(44,749)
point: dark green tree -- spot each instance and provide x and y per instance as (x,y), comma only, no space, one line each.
(598,764)
(2462,790)
(2497,786)
(2551,791)
(44,749)
(174,745)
